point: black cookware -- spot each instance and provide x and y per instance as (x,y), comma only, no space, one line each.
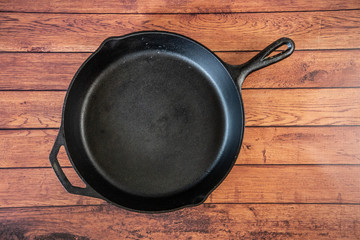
(153,121)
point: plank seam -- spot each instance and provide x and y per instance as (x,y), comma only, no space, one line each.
(268,126)
(285,88)
(217,51)
(237,164)
(180,13)
(204,204)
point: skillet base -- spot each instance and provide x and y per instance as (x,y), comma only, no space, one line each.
(154,123)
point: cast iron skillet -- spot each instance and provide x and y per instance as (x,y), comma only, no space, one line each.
(153,121)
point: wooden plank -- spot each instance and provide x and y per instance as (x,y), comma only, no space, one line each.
(309,107)
(290,184)
(338,68)
(304,145)
(28,148)
(244,184)
(38,187)
(250,31)
(30,109)
(166,6)
(279,145)
(303,69)
(263,107)
(39,71)
(248,221)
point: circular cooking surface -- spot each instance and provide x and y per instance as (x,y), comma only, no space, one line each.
(153,124)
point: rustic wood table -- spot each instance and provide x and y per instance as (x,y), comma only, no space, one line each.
(298,173)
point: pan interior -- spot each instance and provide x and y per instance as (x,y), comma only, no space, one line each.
(153,123)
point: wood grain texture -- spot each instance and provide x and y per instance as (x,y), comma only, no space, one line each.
(263,107)
(310,107)
(279,145)
(28,148)
(242,222)
(47,71)
(244,184)
(174,6)
(290,184)
(85,32)
(295,178)
(304,69)
(38,187)
(39,71)
(30,109)
(305,145)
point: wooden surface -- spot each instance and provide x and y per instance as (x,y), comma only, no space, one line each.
(239,31)
(208,221)
(305,69)
(298,172)
(245,184)
(174,6)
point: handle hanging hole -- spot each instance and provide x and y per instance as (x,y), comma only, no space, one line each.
(70,173)
(277,51)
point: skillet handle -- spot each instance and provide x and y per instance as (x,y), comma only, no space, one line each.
(87,191)
(262,60)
